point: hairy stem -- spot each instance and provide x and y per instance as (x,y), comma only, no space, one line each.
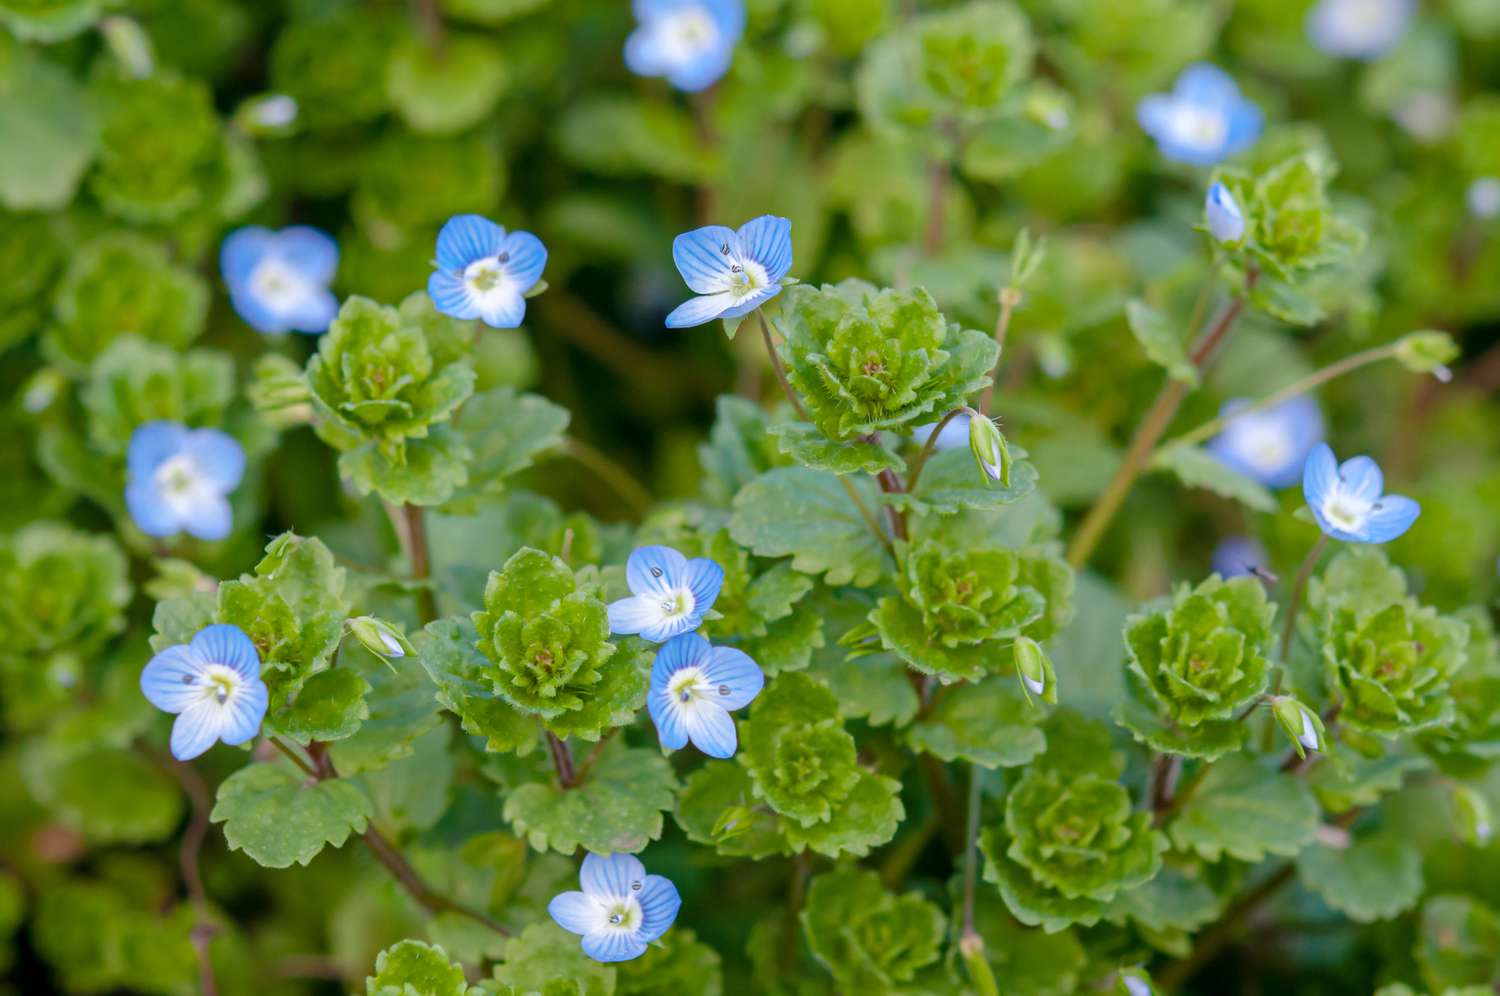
(971,847)
(1009,298)
(1151,429)
(1294,604)
(1164,774)
(562,760)
(414,537)
(930,446)
(620,480)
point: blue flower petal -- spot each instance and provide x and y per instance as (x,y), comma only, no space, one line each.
(243,713)
(465,238)
(750,302)
(1245,125)
(1319,476)
(310,251)
(703,578)
(575,912)
(610,875)
(667,718)
(660,902)
(219,457)
(736,678)
(655,570)
(153,444)
(210,518)
(663,629)
(1392,516)
(704,257)
(768,241)
(241,250)
(704,71)
(313,316)
(612,946)
(228,645)
(527,258)
(451,296)
(502,311)
(1361,478)
(150,513)
(711,730)
(196,729)
(1205,83)
(698,310)
(684,650)
(170,680)
(632,614)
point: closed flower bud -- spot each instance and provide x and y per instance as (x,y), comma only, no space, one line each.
(1225,219)
(989,449)
(1472,812)
(1427,352)
(380,637)
(734,821)
(1035,670)
(1133,982)
(1302,725)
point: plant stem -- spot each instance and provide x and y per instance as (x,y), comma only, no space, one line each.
(1009,298)
(1158,417)
(204,928)
(562,760)
(1295,603)
(619,479)
(296,758)
(930,446)
(891,485)
(1164,774)
(430,20)
(938,175)
(1214,939)
(1312,380)
(415,536)
(1185,791)
(971,862)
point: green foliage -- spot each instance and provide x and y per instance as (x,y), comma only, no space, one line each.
(869,939)
(412,968)
(1246,811)
(617,805)
(278,816)
(1373,878)
(806,514)
(47,139)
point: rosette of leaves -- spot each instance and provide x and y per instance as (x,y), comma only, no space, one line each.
(161,147)
(797,785)
(1468,746)
(32,252)
(547,634)
(123,284)
(865,360)
(383,383)
(1069,845)
(335,66)
(872,941)
(957,611)
(1391,668)
(1198,658)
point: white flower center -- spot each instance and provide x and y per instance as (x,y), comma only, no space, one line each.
(1200,127)
(279,287)
(1344,511)
(1265,447)
(181,484)
(746,277)
(216,682)
(687,33)
(688,686)
(486,276)
(620,913)
(677,603)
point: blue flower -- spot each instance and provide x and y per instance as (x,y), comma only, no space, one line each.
(278,281)
(213,685)
(1359,29)
(1271,445)
(1203,120)
(954,435)
(1346,499)
(690,42)
(669,593)
(483,272)
(735,272)
(1237,556)
(179,480)
(1226,221)
(694,687)
(620,910)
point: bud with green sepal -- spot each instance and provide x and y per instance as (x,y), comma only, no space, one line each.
(989,448)
(1303,725)
(1034,669)
(1472,819)
(380,637)
(1427,352)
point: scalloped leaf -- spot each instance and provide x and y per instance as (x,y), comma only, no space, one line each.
(986,724)
(1246,811)
(805,514)
(273,813)
(1374,878)
(805,444)
(616,807)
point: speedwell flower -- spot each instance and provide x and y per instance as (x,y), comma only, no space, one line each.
(1204,120)
(1270,446)
(1359,29)
(1347,499)
(484,272)
(952,436)
(1225,219)
(213,685)
(694,687)
(620,910)
(278,281)
(690,42)
(734,272)
(180,480)
(669,593)
(1237,556)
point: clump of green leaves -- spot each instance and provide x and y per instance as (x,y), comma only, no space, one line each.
(869,939)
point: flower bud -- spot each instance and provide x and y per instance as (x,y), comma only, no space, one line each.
(1133,982)
(1472,812)
(732,822)
(1035,670)
(1302,725)
(989,449)
(1427,352)
(1225,219)
(380,637)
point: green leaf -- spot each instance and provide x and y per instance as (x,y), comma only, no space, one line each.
(717,807)
(619,135)
(739,448)
(868,938)
(449,653)
(950,483)
(1172,901)
(805,514)
(430,471)
(114,796)
(1031,962)
(546,959)
(1345,780)
(807,445)
(505,431)
(1161,340)
(411,968)
(1197,468)
(1374,878)
(1458,942)
(678,964)
(47,134)
(1247,811)
(616,807)
(276,817)
(874,688)
(866,818)
(412,791)
(445,88)
(983,723)
(330,706)
(1208,741)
